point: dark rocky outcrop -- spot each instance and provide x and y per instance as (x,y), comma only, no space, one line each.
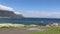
(9,14)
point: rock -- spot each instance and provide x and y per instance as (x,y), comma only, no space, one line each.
(9,14)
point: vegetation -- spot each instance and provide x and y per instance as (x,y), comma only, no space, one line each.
(52,30)
(21,27)
(6,28)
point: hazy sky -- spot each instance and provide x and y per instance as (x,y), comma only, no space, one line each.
(35,8)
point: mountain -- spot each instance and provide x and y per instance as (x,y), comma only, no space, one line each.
(9,14)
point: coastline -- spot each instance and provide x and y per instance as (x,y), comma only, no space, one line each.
(11,25)
(18,25)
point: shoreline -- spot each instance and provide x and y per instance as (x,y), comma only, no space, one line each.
(17,25)
(31,25)
(12,25)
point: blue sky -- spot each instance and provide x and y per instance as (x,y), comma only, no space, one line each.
(35,8)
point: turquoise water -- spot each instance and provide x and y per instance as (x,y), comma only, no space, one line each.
(27,21)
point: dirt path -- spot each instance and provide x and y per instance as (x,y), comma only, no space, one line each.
(16,31)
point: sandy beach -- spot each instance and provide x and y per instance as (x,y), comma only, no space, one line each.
(20,31)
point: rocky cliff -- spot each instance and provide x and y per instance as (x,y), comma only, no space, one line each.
(9,14)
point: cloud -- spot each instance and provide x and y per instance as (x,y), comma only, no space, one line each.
(17,12)
(2,7)
(41,14)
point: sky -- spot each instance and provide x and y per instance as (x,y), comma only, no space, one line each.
(33,8)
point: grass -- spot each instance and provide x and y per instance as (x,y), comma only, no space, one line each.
(21,27)
(6,28)
(52,30)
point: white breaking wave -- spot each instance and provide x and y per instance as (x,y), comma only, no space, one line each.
(9,24)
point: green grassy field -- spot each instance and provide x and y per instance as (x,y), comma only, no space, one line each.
(52,30)
(6,28)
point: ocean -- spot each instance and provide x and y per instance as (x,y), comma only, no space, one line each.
(28,21)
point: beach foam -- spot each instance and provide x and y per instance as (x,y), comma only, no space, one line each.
(13,25)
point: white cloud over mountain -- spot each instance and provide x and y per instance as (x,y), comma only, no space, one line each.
(40,14)
(2,7)
(17,12)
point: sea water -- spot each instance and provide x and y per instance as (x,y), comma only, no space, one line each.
(28,21)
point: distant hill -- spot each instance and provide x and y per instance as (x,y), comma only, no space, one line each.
(9,14)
